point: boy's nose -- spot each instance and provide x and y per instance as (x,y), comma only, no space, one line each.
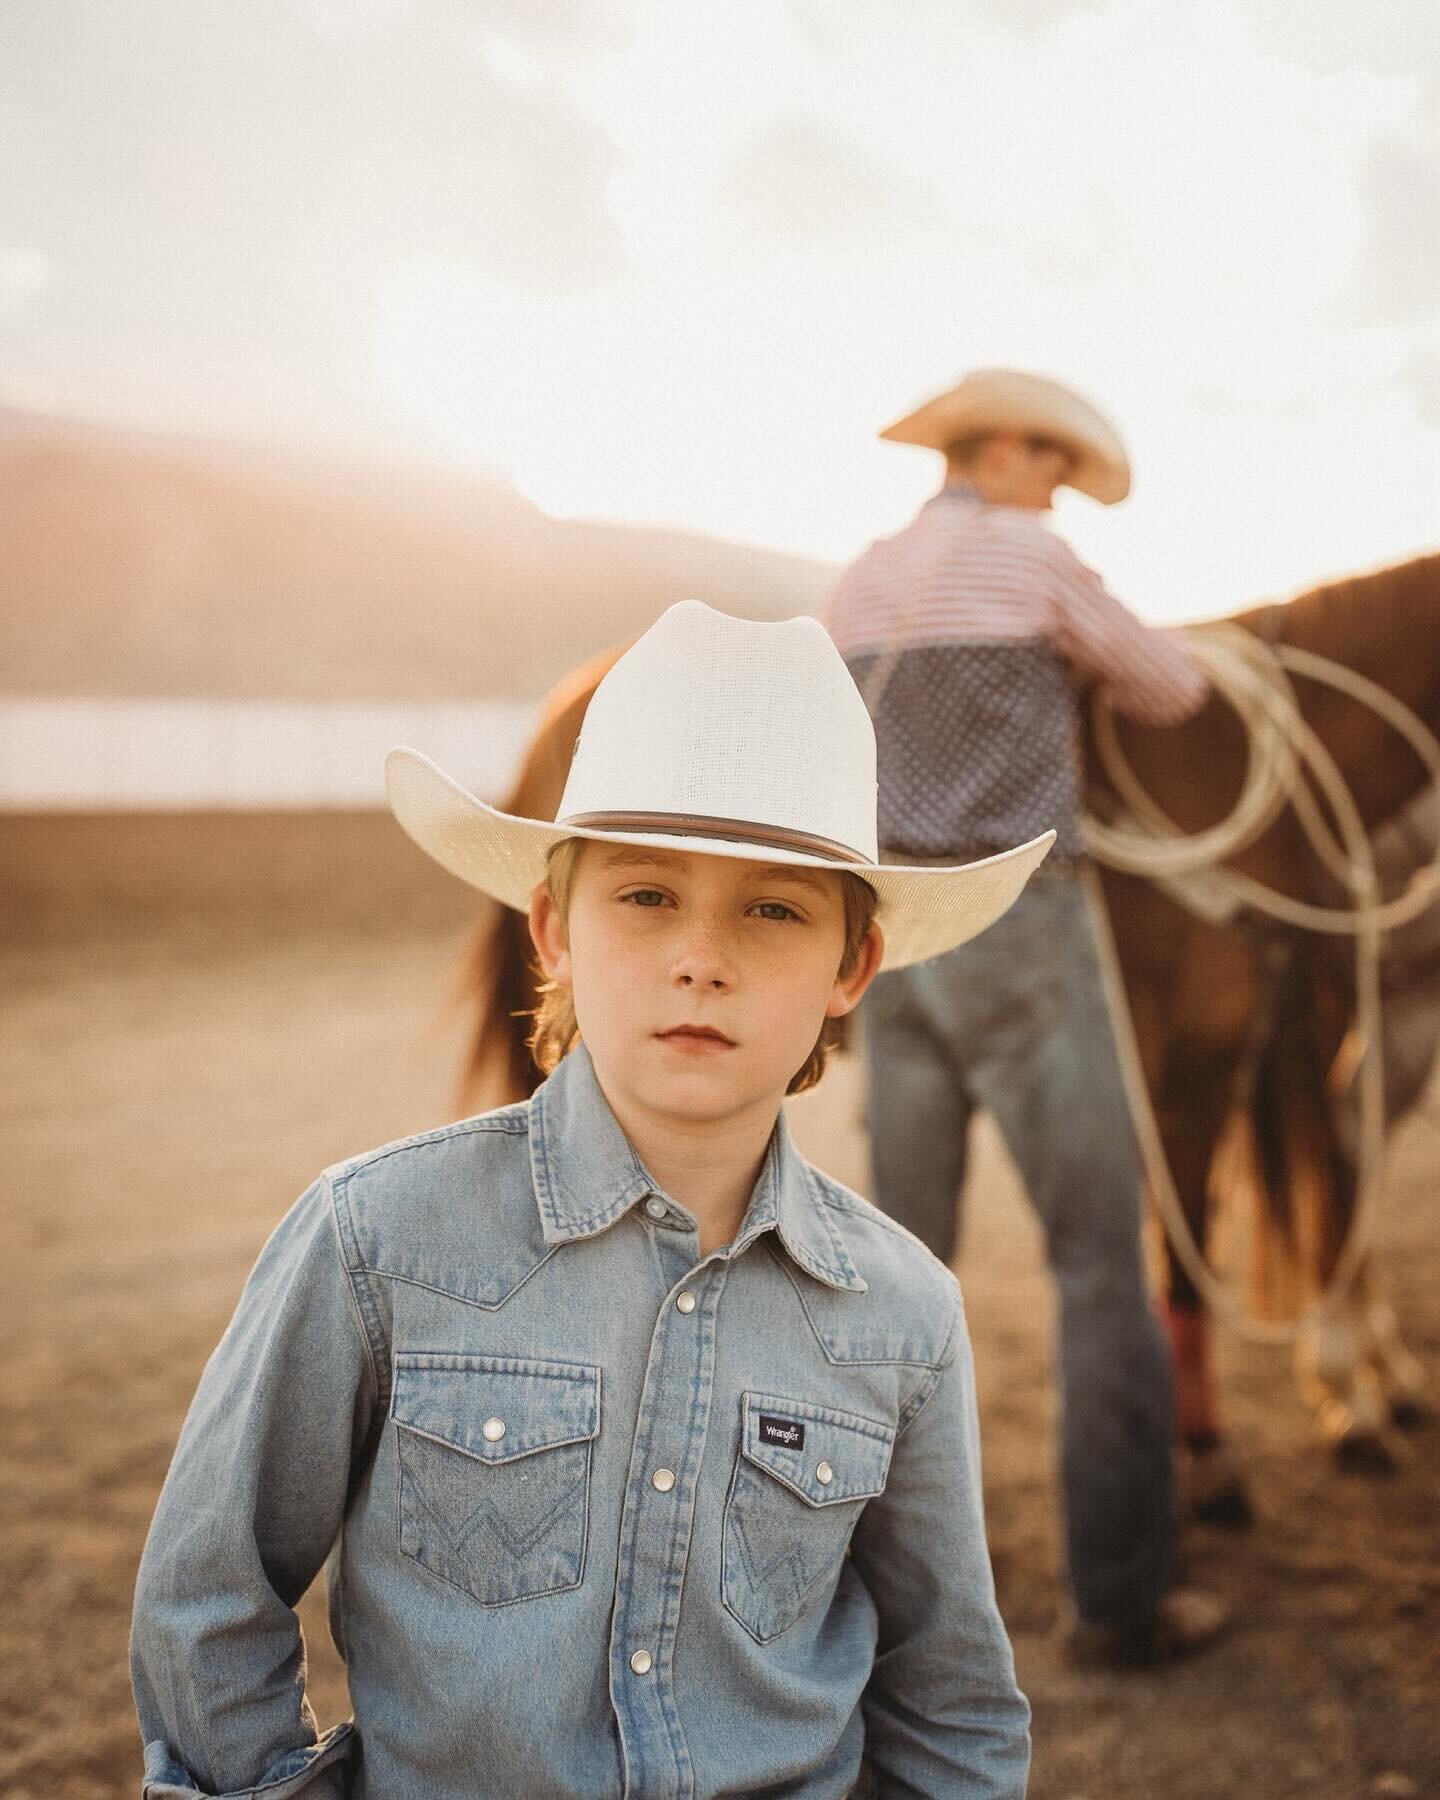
(703,963)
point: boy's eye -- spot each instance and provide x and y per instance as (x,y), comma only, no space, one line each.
(645,897)
(775,909)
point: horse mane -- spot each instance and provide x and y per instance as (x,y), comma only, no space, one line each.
(497,975)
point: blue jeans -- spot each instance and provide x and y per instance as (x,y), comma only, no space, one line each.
(1016,1022)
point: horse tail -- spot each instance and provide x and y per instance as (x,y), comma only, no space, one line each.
(498,977)
(1302,1182)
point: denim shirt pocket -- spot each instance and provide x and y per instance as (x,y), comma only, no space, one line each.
(494,1461)
(793,1504)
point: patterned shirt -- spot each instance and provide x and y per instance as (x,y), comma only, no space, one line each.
(961,632)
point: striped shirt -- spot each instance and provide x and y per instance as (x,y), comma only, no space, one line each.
(961,631)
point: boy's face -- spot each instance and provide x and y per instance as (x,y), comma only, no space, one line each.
(700,983)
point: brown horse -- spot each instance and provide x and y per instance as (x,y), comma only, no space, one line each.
(1244,1026)
(1241,1025)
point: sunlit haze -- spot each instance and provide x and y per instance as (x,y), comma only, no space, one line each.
(678,263)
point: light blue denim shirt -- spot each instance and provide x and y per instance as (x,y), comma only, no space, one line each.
(603,1517)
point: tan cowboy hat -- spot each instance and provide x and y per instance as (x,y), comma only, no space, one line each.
(1012,400)
(728,738)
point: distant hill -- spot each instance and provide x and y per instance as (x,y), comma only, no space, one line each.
(143,566)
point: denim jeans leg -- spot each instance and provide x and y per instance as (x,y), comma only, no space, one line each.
(1065,1117)
(919,1115)
(1116,1410)
(1025,1013)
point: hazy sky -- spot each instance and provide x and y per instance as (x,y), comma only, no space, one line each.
(668,260)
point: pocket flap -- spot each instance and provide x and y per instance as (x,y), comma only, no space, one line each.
(818,1452)
(495,1408)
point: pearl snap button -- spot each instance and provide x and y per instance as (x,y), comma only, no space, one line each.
(642,1662)
(656,1208)
(663,1480)
(685,1302)
(493,1430)
(824,1474)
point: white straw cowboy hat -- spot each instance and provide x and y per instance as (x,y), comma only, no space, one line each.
(1012,400)
(728,738)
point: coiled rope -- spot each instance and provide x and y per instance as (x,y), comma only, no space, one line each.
(1287,765)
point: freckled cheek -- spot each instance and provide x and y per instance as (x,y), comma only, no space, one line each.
(624,972)
(796,998)
(612,965)
(804,975)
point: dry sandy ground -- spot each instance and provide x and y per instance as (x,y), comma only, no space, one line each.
(168,1085)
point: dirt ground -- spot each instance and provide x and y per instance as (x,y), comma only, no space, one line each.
(171,1076)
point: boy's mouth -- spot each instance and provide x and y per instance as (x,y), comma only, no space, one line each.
(695,1037)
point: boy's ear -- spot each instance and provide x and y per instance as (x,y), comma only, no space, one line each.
(547,933)
(845,995)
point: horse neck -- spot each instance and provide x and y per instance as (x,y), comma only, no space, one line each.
(1385,626)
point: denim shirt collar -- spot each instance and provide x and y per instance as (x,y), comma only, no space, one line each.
(586,1176)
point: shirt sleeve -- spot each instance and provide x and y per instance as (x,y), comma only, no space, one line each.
(943,1714)
(254,1499)
(1151,674)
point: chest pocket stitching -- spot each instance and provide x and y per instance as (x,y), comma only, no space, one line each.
(530,1488)
(777,1554)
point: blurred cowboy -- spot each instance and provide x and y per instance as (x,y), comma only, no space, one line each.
(968,633)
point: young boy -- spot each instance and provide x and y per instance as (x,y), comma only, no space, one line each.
(644,1454)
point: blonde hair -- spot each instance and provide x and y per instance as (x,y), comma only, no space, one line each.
(555,1031)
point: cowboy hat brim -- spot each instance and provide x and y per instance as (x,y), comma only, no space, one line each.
(922,912)
(1013,400)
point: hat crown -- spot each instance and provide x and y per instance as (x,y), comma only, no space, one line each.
(712,717)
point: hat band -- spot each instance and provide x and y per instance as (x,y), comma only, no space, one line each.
(764,837)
